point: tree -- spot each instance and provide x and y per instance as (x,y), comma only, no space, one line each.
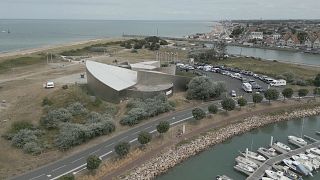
(122,149)
(242,102)
(67,177)
(317,80)
(287,93)
(316,92)
(271,94)
(144,137)
(228,104)
(203,88)
(213,109)
(303,92)
(93,162)
(163,127)
(257,98)
(198,114)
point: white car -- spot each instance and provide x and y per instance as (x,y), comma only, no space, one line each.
(233,93)
(49,84)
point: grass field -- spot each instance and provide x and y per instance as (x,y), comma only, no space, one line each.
(8,64)
(271,68)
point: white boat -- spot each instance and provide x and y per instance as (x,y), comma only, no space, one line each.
(276,175)
(253,155)
(282,146)
(305,163)
(246,161)
(315,151)
(245,167)
(223,177)
(315,158)
(268,152)
(266,178)
(297,140)
(314,161)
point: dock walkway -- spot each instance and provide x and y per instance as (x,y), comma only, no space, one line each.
(270,162)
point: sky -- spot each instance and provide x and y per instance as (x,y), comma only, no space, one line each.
(160,9)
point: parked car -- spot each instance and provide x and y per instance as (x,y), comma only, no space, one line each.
(233,93)
(49,84)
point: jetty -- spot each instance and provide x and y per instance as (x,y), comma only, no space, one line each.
(267,165)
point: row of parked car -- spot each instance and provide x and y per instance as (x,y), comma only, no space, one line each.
(235,73)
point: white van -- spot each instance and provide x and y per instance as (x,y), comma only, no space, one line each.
(280,82)
(247,87)
(49,84)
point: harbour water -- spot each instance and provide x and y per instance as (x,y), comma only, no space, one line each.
(279,55)
(26,34)
(220,159)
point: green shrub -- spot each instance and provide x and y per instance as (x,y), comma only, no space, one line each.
(144,137)
(122,149)
(228,104)
(213,109)
(163,127)
(198,114)
(55,117)
(77,109)
(93,162)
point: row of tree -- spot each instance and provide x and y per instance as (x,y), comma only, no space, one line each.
(152,43)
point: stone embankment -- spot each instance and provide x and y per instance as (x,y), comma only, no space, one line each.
(175,155)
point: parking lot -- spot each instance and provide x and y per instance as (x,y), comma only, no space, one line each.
(234,79)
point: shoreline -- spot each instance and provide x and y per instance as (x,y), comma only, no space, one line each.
(161,163)
(28,51)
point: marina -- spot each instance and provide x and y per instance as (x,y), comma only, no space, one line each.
(275,156)
(221,159)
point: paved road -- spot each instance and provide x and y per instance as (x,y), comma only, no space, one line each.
(77,162)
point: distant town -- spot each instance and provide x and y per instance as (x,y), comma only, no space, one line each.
(302,35)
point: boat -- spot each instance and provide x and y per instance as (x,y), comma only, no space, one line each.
(244,167)
(315,158)
(223,177)
(303,162)
(268,152)
(301,168)
(296,167)
(287,172)
(266,178)
(312,159)
(246,161)
(253,155)
(282,146)
(276,175)
(297,140)
(315,151)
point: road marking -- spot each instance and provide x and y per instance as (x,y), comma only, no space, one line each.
(79,170)
(181,120)
(94,151)
(133,140)
(49,175)
(148,127)
(109,145)
(153,131)
(123,138)
(37,177)
(58,168)
(76,160)
(69,171)
(136,132)
(105,154)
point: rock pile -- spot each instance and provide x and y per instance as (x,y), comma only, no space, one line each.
(175,155)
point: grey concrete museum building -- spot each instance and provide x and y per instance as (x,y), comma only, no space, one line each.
(142,80)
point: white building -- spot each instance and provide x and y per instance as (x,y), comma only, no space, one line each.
(256,35)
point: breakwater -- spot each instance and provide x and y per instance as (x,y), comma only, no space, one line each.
(175,155)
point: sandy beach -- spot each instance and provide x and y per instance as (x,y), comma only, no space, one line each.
(52,47)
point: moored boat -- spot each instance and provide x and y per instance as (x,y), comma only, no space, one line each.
(297,140)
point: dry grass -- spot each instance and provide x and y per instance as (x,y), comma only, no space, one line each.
(272,68)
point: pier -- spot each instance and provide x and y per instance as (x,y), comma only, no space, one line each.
(270,162)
